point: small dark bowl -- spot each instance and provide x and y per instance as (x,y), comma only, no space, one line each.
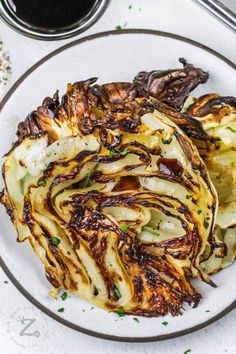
(10,18)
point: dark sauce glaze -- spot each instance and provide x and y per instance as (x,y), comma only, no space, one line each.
(51,14)
(170,166)
(127,183)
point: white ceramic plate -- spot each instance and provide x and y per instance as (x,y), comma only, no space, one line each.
(111,56)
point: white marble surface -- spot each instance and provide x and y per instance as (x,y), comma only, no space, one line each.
(183,17)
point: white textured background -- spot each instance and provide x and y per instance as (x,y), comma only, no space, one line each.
(183,17)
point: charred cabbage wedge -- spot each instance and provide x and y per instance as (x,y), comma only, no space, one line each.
(113,196)
(218,118)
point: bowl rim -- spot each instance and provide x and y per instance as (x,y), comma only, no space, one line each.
(36,33)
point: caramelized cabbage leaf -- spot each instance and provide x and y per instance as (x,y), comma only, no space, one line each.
(114,199)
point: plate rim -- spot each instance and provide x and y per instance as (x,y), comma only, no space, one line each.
(3,265)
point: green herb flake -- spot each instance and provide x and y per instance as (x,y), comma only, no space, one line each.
(188,196)
(123,153)
(88,174)
(117,292)
(187,351)
(151,231)
(64,296)
(136,319)
(42,183)
(55,241)
(118,28)
(199,212)
(111,154)
(207,311)
(125,227)
(130,7)
(231,129)
(165,323)
(61,309)
(177,135)
(166,141)
(5,282)
(120,312)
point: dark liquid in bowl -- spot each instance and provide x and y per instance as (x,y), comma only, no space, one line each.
(51,14)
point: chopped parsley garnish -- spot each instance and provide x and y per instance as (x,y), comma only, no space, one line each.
(199,212)
(111,154)
(55,241)
(118,28)
(123,153)
(120,312)
(165,323)
(207,311)
(231,129)
(64,296)
(5,281)
(136,319)
(166,141)
(125,227)
(151,231)
(88,174)
(130,7)
(188,196)
(177,135)
(117,292)
(42,183)
(61,309)
(187,351)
